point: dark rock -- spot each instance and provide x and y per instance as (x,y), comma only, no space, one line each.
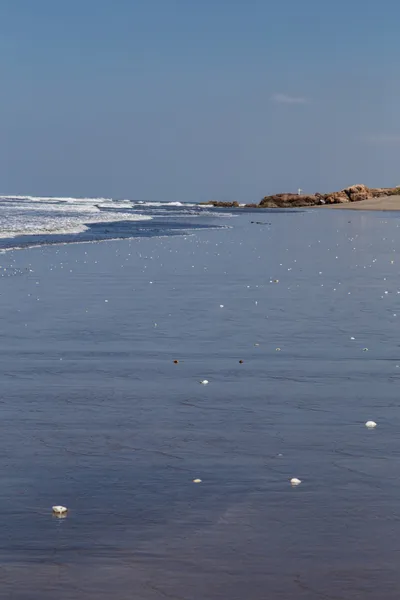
(380,192)
(336,198)
(287,201)
(219,204)
(356,193)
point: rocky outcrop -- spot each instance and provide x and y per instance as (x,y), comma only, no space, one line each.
(380,192)
(353,193)
(334,198)
(356,193)
(219,204)
(287,201)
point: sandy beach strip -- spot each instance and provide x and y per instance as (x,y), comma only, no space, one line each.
(384,203)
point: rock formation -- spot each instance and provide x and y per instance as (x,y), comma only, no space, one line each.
(354,193)
(219,204)
(287,201)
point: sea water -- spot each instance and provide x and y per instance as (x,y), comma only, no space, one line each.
(97,416)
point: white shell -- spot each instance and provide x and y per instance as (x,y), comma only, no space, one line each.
(196,480)
(204,382)
(295,481)
(370,424)
(60,510)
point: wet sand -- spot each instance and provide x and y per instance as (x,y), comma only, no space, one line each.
(95,414)
(387,203)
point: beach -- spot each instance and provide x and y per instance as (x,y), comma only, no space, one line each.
(384,203)
(97,415)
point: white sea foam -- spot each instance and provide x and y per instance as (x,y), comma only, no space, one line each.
(161,204)
(116,204)
(28,215)
(164,204)
(62,226)
(57,215)
(8,233)
(55,199)
(56,207)
(104,202)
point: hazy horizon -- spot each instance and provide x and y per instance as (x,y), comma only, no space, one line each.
(181,101)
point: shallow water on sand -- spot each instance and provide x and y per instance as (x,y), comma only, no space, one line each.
(95,415)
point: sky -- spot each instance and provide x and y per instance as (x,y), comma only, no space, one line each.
(191,100)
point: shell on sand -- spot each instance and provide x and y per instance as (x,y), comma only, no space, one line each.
(295,481)
(60,510)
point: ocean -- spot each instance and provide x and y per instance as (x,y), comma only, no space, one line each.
(291,316)
(30,221)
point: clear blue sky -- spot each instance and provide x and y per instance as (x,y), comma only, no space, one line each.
(198,99)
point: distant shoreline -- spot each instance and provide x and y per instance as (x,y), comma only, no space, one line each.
(355,197)
(386,203)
